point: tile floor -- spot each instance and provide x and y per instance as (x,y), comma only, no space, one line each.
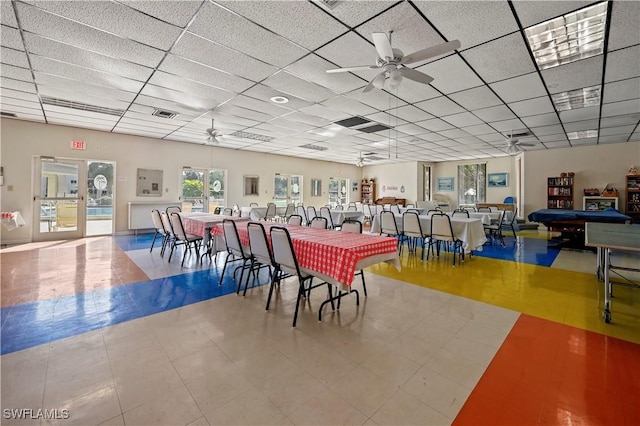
(115,334)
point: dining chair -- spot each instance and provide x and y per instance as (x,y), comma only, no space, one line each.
(291,209)
(236,252)
(227,211)
(295,219)
(285,261)
(173,209)
(442,231)
(261,256)
(484,209)
(368,214)
(318,222)
(159,229)
(339,207)
(311,213)
(352,209)
(325,213)
(460,213)
(389,227)
(512,223)
(166,222)
(302,212)
(182,238)
(395,208)
(494,230)
(412,229)
(354,226)
(270,214)
(253,204)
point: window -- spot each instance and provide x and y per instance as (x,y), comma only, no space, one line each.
(471,184)
(203,190)
(338,191)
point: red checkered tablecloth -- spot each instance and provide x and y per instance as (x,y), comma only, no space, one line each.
(331,253)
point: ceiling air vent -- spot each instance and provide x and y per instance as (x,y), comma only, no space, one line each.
(331,4)
(352,121)
(47,100)
(374,128)
(8,114)
(163,113)
(314,147)
(519,134)
(374,158)
(254,136)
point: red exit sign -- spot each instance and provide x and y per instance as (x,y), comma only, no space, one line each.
(78,145)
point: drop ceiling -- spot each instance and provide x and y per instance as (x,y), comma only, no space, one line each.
(109,65)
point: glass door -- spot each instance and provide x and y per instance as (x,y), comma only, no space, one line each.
(59,200)
(338,192)
(100,196)
(287,190)
(203,190)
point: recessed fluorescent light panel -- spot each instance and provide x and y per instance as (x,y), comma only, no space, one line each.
(582,134)
(568,38)
(574,99)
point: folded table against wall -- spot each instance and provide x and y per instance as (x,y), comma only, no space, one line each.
(12,220)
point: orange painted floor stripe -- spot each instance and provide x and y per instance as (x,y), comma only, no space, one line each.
(548,373)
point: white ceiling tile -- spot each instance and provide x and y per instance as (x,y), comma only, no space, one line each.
(492,137)
(488,59)
(529,107)
(313,68)
(348,105)
(623,31)
(411,129)
(351,50)
(21,86)
(553,138)
(495,113)
(11,37)
(530,13)
(548,119)
(624,63)
(13,56)
(574,75)
(44,65)
(451,74)
(73,33)
(440,106)
(292,125)
(476,98)
(481,129)
(117,19)
(559,144)
(7,16)
(256,41)
(84,58)
(410,113)
(386,118)
(613,139)
(379,99)
(310,119)
(413,93)
(454,133)
(580,114)
(324,112)
(474,22)
(577,126)
(243,113)
(620,108)
(15,94)
(265,94)
(288,83)
(217,56)
(463,119)
(354,13)
(180,90)
(513,125)
(433,137)
(621,90)
(621,130)
(24,105)
(203,74)
(16,73)
(548,130)
(285,18)
(520,88)
(175,12)
(584,142)
(410,31)
(620,120)
(56,113)
(435,125)
(266,107)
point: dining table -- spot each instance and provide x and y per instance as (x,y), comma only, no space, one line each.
(339,216)
(333,256)
(468,230)
(257,213)
(201,224)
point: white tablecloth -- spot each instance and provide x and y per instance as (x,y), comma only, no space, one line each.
(469,231)
(257,213)
(339,216)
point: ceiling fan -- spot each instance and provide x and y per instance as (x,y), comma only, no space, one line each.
(514,145)
(213,136)
(363,159)
(393,62)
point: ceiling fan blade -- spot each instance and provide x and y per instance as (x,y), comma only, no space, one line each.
(369,87)
(383,46)
(526,144)
(414,75)
(430,52)
(356,68)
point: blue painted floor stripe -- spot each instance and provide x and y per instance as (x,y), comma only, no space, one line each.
(533,251)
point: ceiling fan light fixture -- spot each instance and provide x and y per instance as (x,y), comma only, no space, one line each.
(513,149)
(395,77)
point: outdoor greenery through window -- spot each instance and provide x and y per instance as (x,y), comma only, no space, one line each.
(203,190)
(471,184)
(338,191)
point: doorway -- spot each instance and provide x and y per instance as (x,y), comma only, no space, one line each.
(287,190)
(203,190)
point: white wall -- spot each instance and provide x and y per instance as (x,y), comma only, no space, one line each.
(594,166)
(22,141)
(392,178)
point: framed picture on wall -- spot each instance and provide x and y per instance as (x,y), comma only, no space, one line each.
(445,184)
(497,180)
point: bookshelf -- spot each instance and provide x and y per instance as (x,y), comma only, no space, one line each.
(596,203)
(632,198)
(560,193)
(368,193)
